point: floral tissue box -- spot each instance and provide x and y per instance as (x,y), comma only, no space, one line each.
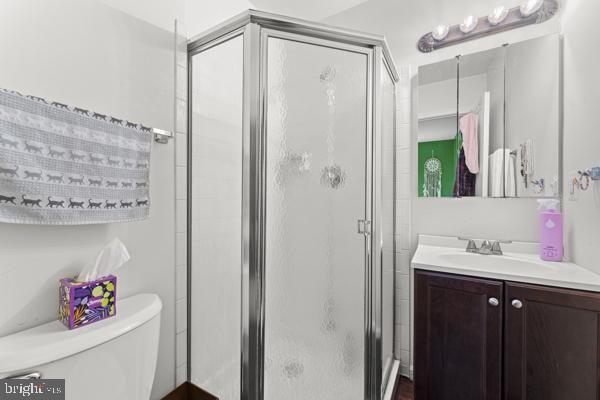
(83,303)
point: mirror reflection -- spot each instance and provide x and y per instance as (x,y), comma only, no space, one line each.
(488,123)
(437,138)
(481,159)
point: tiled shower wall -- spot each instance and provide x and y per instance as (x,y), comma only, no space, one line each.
(403,181)
(181,205)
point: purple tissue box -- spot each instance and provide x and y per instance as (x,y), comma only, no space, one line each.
(83,303)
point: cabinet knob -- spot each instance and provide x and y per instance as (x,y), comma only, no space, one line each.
(517,303)
(493,301)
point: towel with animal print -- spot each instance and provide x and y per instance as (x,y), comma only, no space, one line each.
(63,165)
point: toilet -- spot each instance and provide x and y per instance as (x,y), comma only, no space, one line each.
(114,358)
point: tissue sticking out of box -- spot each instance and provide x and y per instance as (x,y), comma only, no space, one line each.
(108,260)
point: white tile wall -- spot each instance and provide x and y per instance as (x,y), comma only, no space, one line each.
(403,206)
(180,282)
(181,315)
(181,348)
(181,208)
(181,374)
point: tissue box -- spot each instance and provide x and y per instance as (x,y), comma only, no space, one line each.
(83,303)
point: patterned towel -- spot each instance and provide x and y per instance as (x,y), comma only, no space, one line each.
(62,165)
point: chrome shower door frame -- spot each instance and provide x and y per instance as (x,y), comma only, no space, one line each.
(258,298)
(256,28)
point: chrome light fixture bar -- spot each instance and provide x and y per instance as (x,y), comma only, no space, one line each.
(499,20)
(469,24)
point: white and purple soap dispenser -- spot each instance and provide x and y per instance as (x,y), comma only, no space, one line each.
(551,230)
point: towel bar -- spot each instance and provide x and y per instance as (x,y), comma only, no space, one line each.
(162,136)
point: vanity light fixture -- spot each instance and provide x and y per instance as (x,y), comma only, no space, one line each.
(501,19)
(498,15)
(530,6)
(440,32)
(469,24)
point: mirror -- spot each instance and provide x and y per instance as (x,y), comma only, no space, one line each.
(482,117)
(480,127)
(533,115)
(437,145)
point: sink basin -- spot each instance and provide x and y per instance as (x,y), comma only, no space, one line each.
(520,263)
(507,263)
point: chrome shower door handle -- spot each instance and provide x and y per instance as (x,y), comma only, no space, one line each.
(364,227)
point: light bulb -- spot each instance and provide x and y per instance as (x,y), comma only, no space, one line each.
(440,32)
(529,7)
(498,15)
(469,24)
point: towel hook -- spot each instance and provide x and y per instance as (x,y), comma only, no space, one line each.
(584,180)
(540,183)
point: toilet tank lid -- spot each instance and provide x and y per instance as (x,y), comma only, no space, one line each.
(53,341)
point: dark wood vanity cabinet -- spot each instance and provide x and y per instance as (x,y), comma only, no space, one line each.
(551,347)
(458,337)
(534,343)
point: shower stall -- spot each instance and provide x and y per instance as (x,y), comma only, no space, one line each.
(291,211)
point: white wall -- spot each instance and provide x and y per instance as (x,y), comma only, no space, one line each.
(581,138)
(84,53)
(201,15)
(403,23)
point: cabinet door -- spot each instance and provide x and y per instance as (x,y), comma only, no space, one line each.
(551,348)
(458,337)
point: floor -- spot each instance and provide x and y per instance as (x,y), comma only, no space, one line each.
(406,390)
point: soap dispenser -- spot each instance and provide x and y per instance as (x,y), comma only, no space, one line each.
(551,230)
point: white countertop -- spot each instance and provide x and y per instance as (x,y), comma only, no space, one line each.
(520,263)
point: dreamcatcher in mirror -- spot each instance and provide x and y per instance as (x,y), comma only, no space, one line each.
(432,182)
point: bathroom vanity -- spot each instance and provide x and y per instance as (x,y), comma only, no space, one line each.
(528,330)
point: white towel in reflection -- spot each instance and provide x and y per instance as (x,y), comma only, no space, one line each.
(499,160)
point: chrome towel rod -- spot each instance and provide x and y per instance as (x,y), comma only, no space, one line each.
(161,136)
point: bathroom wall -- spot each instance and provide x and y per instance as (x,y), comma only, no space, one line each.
(582,141)
(403,23)
(84,53)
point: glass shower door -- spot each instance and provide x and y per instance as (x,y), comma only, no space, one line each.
(317,168)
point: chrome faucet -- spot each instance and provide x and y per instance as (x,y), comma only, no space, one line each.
(487,247)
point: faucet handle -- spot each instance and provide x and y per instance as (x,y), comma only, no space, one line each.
(471,245)
(496,248)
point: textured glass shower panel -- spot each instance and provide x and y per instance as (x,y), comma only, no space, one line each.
(315,187)
(387,214)
(216,218)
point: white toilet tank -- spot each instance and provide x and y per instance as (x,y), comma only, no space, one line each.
(111,359)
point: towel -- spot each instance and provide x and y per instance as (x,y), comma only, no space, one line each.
(62,165)
(502,160)
(468,126)
(464,185)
